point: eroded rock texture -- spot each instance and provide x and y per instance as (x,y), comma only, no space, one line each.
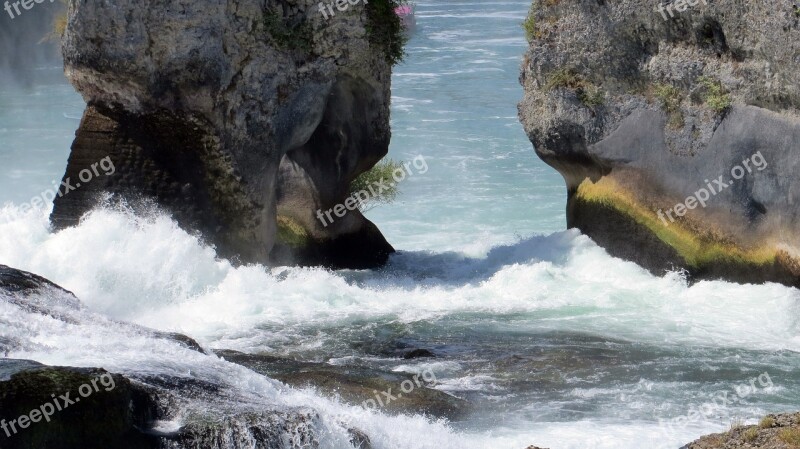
(639,111)
(196,103)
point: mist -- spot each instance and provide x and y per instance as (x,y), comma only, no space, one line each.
(27,55)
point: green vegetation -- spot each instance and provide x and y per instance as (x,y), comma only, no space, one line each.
(291,232)
(766,422)
(298,36)
(697,248)
(565,78)
(569,78)
(591,96)
(381,174)
(529,25)
(671,98)
(790,436)
(385,29)
(59,26)
(715,96)
(750,434)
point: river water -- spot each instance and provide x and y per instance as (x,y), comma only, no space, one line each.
(550,340)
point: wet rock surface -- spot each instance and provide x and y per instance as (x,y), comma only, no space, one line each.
(355,385)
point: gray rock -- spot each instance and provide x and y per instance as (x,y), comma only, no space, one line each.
(198,103)
(639,113)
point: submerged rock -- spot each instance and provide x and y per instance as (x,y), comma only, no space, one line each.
(229,115)
(677,134)
(355,385)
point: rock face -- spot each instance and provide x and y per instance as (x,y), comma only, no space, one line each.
(227,114)
(676,133)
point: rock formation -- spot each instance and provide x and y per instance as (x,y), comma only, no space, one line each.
(229,114)
(676,129)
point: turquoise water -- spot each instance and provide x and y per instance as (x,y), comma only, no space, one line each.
(455,102)
(550,340)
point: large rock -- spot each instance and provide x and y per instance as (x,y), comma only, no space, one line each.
(196,104)
(640,111)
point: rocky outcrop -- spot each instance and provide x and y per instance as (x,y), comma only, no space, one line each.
(676,129)
(780,431)
(229,114)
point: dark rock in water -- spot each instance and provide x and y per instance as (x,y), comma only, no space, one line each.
(16,281)
(183,340)
(241,128)
(356,385)
(359,439)
(677,138)
(67,408)
(418,353)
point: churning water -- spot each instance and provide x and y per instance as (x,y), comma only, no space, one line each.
(551,341)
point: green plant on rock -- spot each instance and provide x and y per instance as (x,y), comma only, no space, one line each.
(750,434)
(529,25)
(715,96)
(569,78)
(766,422)
(385,29)
(367,182)
(297,36)
(290,232)
(591,96)
(671,98)
(565,77)
(790,436)
(59,26)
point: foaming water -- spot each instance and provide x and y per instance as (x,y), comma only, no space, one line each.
(543,335)
(551,341)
